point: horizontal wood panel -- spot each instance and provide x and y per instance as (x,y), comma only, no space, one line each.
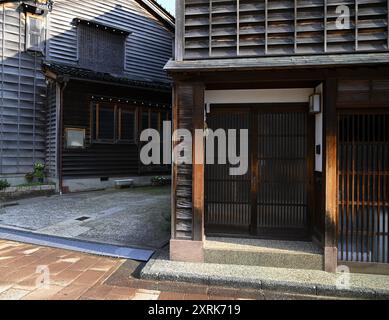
(238,28)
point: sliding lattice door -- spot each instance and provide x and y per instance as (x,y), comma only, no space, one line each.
(363,167)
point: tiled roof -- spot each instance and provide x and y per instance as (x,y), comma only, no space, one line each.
(74,72)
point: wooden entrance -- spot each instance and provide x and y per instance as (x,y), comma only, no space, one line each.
(273,199)
(363,200)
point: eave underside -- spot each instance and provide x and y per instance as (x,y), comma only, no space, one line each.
(266,63)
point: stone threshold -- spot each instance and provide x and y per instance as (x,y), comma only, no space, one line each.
(291,281)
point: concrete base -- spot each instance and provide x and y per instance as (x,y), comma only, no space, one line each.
(15,193)
(186,251)
(264,253)
(331,259)
(296,281)
(14,180)
(89,184)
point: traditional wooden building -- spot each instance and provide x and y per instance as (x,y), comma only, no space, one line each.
(309,79)
(79,81)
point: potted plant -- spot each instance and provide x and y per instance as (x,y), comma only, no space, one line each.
(39,172)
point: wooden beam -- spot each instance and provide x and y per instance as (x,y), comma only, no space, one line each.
(198,162)
(331,179)
(180,30)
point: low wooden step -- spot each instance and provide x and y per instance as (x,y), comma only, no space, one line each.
(264,253)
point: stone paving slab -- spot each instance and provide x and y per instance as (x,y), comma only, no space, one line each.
(78,276)
(309,282)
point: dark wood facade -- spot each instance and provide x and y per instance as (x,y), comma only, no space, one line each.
(247,28)
(101,158)
(266,45)
(335,217)
(136,36)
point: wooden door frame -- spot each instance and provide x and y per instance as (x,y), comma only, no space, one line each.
(254,109)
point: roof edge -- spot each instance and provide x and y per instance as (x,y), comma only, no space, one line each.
(159,11)
(272,63)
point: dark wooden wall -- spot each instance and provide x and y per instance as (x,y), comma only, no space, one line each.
(100,160)
(182,184)
(146,50)
(353,88)
(233,28)
(363,169)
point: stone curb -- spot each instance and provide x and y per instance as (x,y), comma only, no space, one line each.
(264,284)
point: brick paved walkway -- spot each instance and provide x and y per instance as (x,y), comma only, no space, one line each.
(41,273)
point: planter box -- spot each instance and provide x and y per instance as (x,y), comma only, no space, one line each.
(13,193)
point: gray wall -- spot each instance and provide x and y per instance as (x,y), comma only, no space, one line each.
(148,48)
(25,118)
(22,97)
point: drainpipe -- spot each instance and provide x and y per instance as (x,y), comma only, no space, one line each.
(62,83)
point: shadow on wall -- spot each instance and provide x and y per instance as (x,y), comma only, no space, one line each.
(24,120)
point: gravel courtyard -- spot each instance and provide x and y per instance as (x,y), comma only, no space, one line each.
(130,217)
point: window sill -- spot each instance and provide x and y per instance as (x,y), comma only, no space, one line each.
(117,142)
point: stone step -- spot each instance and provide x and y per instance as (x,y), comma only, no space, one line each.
(264,253)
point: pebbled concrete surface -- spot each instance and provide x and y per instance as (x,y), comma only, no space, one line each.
(265,253)
(130,217)
(296,281)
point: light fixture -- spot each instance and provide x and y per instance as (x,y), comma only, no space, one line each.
(315,103)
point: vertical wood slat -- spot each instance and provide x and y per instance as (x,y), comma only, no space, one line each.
(367,231)
(254,171)
(180,30)
(325,24)
(210,27)
(266,26)
(356,25)
(295,26)
(237,27)
(310,31)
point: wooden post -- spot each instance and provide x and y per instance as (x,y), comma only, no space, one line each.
(331,179)
(198,162)
(188,235)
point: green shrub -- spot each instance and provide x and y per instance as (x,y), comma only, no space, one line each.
(160,181)
(39,171)
(4,184)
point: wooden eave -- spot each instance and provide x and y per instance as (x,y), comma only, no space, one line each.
(284,62)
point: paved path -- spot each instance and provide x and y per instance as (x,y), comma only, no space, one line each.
(40,273)
(137,217)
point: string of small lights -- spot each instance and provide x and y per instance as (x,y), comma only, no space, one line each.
(100,26)
(130,101)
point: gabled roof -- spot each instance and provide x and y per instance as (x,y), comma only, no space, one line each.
(151,6)
(158,11)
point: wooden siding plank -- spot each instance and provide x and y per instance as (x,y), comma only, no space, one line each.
(248,28)
(147,49)
(22,97)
